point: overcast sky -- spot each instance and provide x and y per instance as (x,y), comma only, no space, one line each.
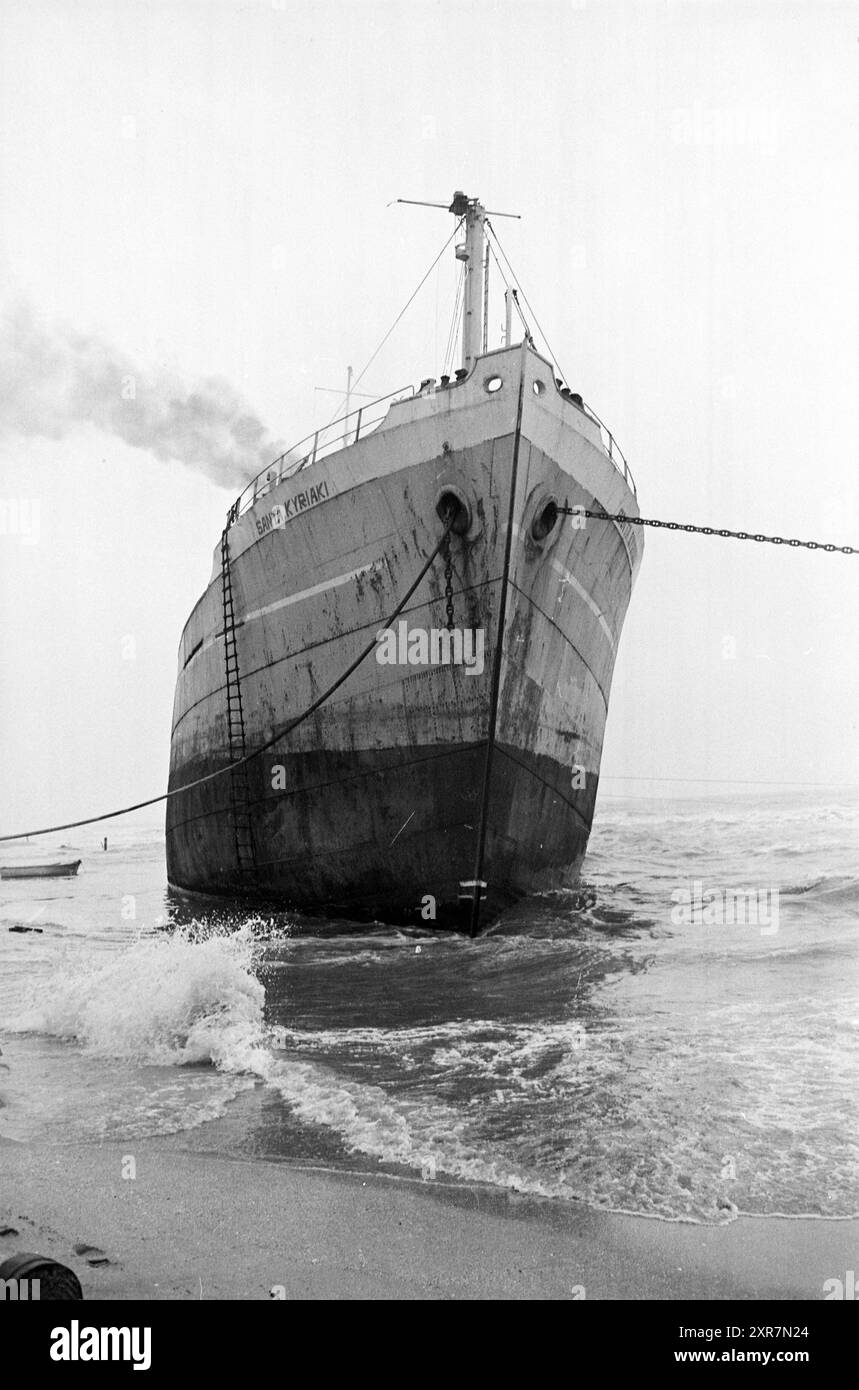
(203,190)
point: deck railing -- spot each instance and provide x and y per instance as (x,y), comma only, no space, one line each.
(337,434)
(612,448)
(348,429)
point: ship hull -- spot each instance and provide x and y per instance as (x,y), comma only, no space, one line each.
(418,792)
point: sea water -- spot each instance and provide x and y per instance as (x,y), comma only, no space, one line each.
(678,1039)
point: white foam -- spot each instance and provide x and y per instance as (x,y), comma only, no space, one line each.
(187,998)
(164,1000)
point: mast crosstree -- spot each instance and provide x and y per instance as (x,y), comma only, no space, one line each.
(475,302)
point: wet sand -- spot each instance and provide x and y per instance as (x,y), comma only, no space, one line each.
(192,1224)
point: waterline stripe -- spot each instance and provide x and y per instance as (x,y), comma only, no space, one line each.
(376,565)
(570,579)
(312,592)
(292,598)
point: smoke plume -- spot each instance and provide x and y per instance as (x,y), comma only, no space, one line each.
(53,379)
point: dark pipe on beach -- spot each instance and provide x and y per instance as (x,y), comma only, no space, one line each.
(56,1282)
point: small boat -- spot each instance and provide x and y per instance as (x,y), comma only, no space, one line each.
(64,868)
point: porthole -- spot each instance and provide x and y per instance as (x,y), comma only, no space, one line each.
(493,384)
(538,388)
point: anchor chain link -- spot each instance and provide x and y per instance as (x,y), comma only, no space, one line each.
(710,531)
(448,570)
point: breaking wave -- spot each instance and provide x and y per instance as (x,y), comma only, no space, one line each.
(164,1000)
(584,1052)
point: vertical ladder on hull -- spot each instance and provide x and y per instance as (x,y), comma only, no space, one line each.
(245,850)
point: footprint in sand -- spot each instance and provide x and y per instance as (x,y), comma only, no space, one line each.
(93,1255)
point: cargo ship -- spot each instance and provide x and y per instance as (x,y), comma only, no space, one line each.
(456,768)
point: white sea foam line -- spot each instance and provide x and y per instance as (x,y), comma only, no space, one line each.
(583,593)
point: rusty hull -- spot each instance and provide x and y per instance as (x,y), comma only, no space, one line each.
(372,807)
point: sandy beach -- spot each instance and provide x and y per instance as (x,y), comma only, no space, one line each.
(193,1225)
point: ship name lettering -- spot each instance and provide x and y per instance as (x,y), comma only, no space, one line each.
(291,507)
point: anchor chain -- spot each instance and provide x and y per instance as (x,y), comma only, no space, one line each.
(448,569)
(710,530)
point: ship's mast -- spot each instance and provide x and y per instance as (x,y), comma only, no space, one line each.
(471,254)
(475,301)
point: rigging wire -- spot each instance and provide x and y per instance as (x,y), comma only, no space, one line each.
(450,349)
(450,327)
(368,364)
(494,235)
(513,292)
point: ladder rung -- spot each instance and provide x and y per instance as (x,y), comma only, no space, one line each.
(242,823)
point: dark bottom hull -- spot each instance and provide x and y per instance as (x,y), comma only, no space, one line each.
(337,918)
(386,835)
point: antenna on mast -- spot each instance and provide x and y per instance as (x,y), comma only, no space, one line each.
(475,302)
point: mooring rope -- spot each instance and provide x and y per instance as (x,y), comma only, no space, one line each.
(275,738)
(326,695)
